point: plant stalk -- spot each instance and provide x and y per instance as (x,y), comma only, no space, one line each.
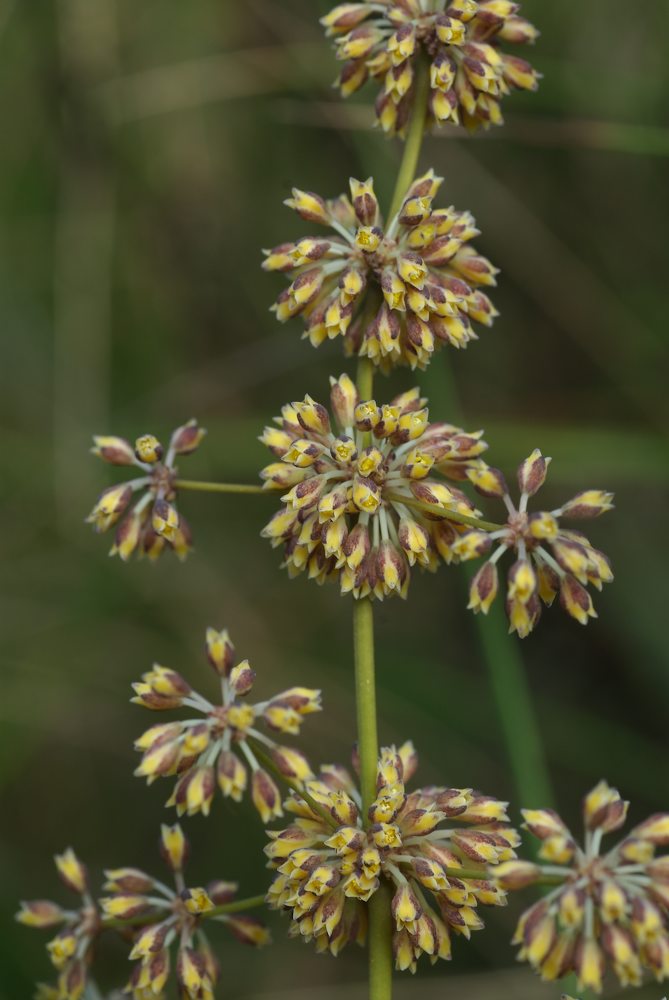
(193,484)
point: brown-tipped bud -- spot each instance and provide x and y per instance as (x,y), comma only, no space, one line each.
(72,981)
(221,892)
(365,204)
(191,972)
(127,880)
(311,207)
(487,481)
(589,503)
(483,589)
(148,449)
(367,415)
(291,763)
(40,913)
(391,567)
(220,651)
(516,874)
(603,808)
(196,900)
(655,830)
(357,546)
(343,808)
(115,450)
(409,757)
(249,930)
(313,416)
(242,678)
(165,519)
(174,847)
(532,473)
(232,776)
(576,600)
(124,906)
(186,439)
(405,907)
(265,796)
(72,872)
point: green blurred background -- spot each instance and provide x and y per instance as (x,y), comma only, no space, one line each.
(146,151)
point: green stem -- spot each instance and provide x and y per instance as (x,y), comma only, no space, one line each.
(142,919)
(267,761)
(449,515)
(414,139)
(192,484)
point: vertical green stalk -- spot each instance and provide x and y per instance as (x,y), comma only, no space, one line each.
(380,933)
(414,136)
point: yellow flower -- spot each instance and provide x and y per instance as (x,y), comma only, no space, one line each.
(469,73)
(356,513)
(395,293)
(153,523)
(609,905)
(205,751)
(551,560)
(433,846)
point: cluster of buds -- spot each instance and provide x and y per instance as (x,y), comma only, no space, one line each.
(153,522)
(355,506)
(469,74)
(71,949)
(611,905)
(331,862)
(174,915)
(396,293)
(550,559)
(206,750)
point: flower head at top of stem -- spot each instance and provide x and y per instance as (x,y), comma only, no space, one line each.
(366,501)
(395,293)
(469,73)
(610,904)
(433,847)
(551,560)
(144,509)
(214,747)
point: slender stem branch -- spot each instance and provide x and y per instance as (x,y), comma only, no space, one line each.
(414,137)
(267,761)
(450,515)
(142,919)
(193,484)
(365,698)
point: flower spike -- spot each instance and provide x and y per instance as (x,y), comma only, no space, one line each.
(214,747)
(351,489)
(395,293)
(153,523)
(469,72)
(433,846)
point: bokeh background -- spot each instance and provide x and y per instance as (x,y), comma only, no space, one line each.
(146,151)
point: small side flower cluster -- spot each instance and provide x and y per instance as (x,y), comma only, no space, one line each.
(395,294)
(349,510)
(328,870)
(148,913)
(153,523)
(551,560)
(469,74)
(206,750)
(609,906)
(174,915)
(70,950)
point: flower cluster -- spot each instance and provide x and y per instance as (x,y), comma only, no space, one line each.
(330,864)
(551,560)
(359,502)
(469,74)
(207,749)
(170,915)
(395,293)
(71,949)
(153,523)
(611,905)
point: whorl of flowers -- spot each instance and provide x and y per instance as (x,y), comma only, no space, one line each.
(396,293)
(174,916)
(610,906)
(214,747)
(70,950)
(469,74)
(433,846)
(153,523)
(551,560)
(348,511)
